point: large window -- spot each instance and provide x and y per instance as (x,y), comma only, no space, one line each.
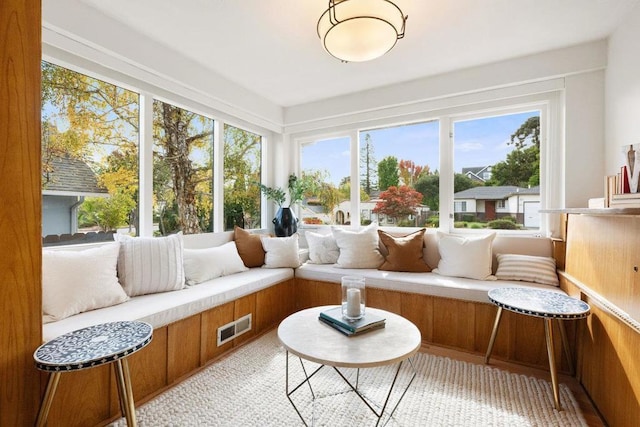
(497,171)
(399,178)
(89,157)
(326,165)
(182,170)
(242,170)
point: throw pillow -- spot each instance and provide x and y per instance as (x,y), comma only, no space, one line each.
(148,265)
(358,249)
(405,253)
(201,265)
(323,248)
(465,256)
(281,252)
(249,247)
(77,281)
(527,268)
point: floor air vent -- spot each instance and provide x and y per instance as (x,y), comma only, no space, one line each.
(234,329)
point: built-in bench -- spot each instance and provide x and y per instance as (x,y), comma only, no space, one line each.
(449,311)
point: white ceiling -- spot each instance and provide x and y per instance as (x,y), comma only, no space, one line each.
(271,47)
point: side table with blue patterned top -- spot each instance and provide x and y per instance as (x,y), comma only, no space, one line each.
(90,347)
(548,305)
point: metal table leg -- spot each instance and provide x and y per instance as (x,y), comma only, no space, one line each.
(50,391)
(548,330)
(123,380)
(379,414)
(496,324)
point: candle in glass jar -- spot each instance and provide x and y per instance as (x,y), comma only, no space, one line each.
(353,302)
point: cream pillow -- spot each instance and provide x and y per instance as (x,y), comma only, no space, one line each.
(201,265)
(281,252)
(528,268)
(358,249)
(323,248)
(78,281)
(148,265)
(465,256)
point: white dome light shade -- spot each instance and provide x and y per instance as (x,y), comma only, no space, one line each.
(360,30)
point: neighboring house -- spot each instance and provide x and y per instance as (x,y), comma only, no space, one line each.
(489,203)
(478,174)
(69,181)
(342,215)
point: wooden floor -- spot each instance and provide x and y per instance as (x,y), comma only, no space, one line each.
(588,410)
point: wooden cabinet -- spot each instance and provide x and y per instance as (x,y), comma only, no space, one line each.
(602,268)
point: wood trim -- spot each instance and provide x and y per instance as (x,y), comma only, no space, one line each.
(20,211)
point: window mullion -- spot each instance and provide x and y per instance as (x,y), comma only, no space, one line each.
(146,165)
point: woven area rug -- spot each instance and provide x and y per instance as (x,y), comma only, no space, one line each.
(248,389)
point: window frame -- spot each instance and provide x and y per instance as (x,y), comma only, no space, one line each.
(147,93)
(551,154)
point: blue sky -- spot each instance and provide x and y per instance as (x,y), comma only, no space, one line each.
(478,142)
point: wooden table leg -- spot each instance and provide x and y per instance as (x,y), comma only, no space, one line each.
(50,391)
(496,323)
(548,330)
(125,392)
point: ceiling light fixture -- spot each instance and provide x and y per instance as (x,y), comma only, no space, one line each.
(360,30)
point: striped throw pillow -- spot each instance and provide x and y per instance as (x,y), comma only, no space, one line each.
(148,265)
(527,268)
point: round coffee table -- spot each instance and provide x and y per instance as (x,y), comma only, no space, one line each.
(548,305)
(303,335)
(90,347)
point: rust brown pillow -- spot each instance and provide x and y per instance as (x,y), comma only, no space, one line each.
(249,247)
(405,252)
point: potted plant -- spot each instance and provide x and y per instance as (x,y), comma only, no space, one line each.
(285,221)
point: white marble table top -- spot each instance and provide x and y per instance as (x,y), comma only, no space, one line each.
(307,337)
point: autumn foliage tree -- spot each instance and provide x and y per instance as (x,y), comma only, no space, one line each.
(398,202)
(410,172)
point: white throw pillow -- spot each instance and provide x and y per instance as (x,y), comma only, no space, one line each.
(528,268)
(148,265)
(78,281)
(281,252)
(323,248)
(465,256)
(358,249)
(201,265)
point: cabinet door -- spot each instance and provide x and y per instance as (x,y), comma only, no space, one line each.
(603,252)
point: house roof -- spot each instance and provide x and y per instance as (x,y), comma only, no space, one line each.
(475,173)
(70,175)
(499,192)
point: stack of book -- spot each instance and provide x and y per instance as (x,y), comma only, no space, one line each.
(333,317)
(627,200)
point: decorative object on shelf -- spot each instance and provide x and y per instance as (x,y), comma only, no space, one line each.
(631,167)
(285,221)
(353,297)
(360,30)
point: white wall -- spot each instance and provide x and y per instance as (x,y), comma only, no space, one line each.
(584,138)
(622,99)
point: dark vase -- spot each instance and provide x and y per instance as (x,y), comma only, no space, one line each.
(285,222)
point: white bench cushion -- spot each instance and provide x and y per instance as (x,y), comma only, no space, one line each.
(164,308)
(418,283)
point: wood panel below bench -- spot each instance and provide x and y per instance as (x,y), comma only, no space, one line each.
(457,324)
(89,397)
